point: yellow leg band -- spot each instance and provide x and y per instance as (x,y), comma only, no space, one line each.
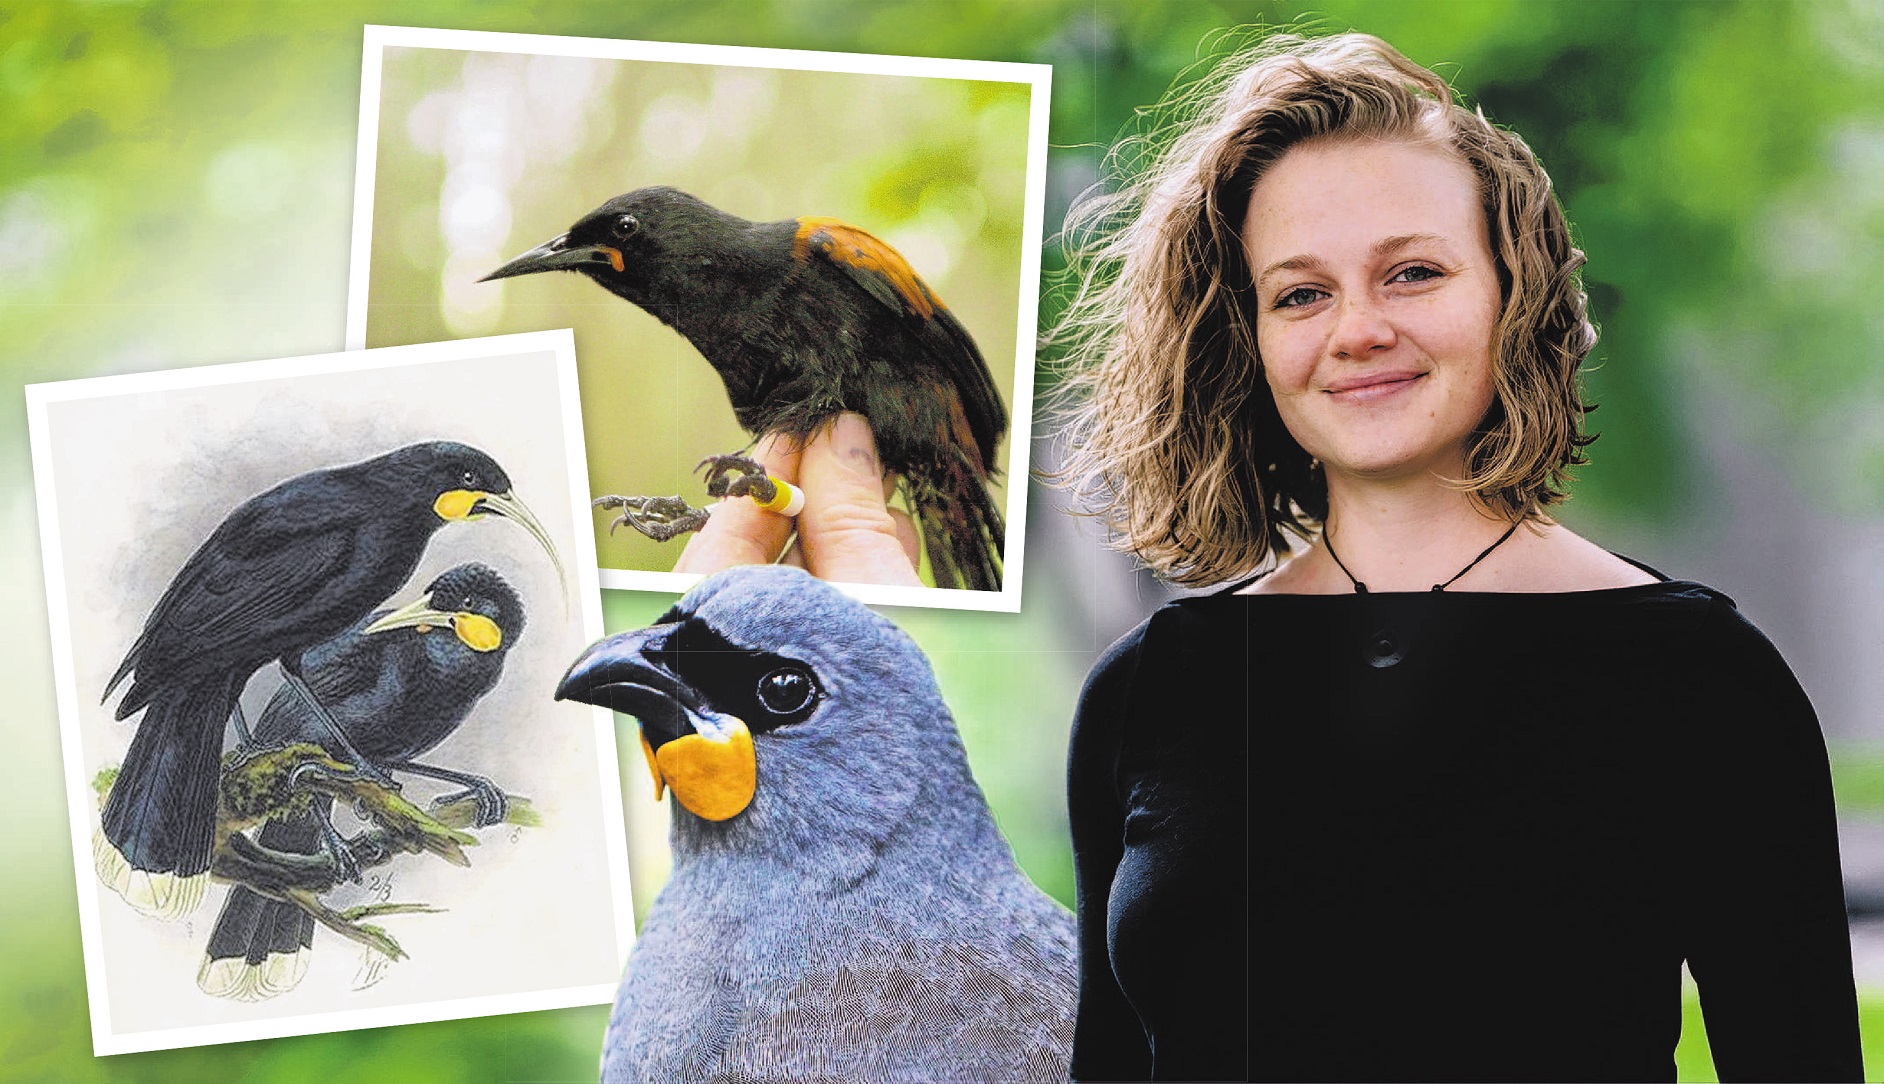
(789,500)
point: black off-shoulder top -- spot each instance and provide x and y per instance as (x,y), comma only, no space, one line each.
(1454,836)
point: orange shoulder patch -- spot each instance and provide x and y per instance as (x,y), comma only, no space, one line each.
(862,252)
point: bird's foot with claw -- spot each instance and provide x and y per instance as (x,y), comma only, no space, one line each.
(738,475)
(660,518)
(346,858)
(493,806)
(350,858)
(368,851)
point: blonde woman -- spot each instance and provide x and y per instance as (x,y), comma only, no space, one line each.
(1450,793)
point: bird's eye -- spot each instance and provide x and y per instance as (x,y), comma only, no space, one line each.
(626,225)
(786,690)
(470,479)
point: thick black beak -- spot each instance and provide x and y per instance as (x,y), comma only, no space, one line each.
(621,673)
(559,255)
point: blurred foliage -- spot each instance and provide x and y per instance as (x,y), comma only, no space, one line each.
(1858,781)
(175,189)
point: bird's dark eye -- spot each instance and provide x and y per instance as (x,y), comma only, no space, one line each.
(470,480)
(786,690)
(626,225)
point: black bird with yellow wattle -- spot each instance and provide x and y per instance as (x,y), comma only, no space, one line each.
(398,683)
(804,319)
(287,569)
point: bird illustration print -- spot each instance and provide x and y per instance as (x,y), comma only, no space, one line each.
(804,319)
(842,906)
(398,683)
(287,569)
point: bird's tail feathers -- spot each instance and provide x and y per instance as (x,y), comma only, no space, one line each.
(962,530)
(159,895)
(160,816)
(260,946)
(124,670)
(235,978)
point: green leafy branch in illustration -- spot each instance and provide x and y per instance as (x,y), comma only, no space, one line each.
(258,786)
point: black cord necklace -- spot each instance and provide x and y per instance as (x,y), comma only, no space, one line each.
(1361,588)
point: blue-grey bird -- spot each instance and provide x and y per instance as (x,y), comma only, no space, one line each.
(398,683)
(842,906)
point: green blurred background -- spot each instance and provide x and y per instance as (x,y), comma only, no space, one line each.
(176,189)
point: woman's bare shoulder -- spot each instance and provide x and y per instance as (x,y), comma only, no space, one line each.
(1552,557)
(1299,574)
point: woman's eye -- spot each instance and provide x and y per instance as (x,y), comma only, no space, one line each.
(1296,298)
(1416,273)
(786,690)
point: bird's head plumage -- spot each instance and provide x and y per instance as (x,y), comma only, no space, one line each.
(463,484)
(785,716)
(641,244)
(471,600)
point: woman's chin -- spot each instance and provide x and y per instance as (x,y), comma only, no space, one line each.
(1396,465)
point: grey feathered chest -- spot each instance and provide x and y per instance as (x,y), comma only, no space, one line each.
(942,982)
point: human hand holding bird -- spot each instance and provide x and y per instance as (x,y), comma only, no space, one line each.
(847,531)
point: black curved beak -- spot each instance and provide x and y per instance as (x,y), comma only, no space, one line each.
(623,673)
(559,255)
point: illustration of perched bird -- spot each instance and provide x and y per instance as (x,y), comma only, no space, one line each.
(289,568)
(842,906)
(398,682)
(806,318)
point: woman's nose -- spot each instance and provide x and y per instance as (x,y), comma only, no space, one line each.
(1360,329)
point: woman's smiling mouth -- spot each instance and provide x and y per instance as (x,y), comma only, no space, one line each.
(1373,386)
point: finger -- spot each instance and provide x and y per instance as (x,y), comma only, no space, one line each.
(795,556)
(846,529)
(740,532)
(906,534)
(905,526)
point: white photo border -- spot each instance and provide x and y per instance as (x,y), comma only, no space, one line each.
(1038,77)
(80,799)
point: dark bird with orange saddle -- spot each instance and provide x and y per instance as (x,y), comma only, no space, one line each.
(804,319)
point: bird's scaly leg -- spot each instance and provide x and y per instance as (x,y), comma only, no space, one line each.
(492,804)
(343,745)
(738,475)
(241,721)
(347,864)
(660,518)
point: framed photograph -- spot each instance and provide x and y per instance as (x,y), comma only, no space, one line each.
(307,620)
(791,228)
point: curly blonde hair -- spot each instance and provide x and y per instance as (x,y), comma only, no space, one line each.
(1170,433)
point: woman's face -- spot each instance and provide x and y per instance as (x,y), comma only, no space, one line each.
(1377,303)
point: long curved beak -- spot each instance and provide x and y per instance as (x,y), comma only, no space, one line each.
(509,506)
(558,255)
(417,614)
(478,632)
